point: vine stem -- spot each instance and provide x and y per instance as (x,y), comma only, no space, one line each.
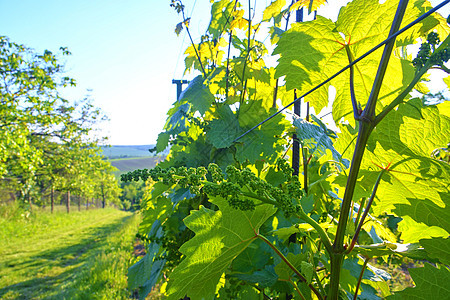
(305,168)
(352,83)
(322,234)
(366,212)
(355,297)
(296,288)
(369,110)
(290,265)
(192,42)
(366,125)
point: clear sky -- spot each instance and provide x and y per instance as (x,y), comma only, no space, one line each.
(124,53)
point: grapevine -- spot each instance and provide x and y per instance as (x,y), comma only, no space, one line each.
(226,211)
(240,187)
(428,53)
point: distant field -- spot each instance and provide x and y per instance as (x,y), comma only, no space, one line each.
(131,164)
(127,151)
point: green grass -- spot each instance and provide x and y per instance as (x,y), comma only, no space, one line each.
(83,255)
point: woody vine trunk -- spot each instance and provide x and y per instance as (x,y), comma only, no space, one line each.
(366,125)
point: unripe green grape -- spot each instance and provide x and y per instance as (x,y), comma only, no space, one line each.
(433,38)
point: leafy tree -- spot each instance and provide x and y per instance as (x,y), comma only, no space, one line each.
(132,193)
(46,143)
(224,216)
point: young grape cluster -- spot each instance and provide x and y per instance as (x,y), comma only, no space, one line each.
(239,187)
(427,52)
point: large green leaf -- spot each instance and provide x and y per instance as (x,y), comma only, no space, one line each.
(198,95)
(417,186)
(431,283)
(177,119)
(284,272)
(263,142)
(274,10)
(438,248)
(409,250)
(317,138)
(220,236)
(156,208)
(145,273)
(224,129)
(310,52)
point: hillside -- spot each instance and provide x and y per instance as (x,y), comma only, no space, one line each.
(127,151)
(131,164)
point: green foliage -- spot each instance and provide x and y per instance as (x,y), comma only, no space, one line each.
(430,282)
(220,237)
(46,142)
(224,216)
(78,256)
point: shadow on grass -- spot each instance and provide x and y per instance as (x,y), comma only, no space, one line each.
(53,273)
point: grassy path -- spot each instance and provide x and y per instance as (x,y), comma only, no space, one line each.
(78,256)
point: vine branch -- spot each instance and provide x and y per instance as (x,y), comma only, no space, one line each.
(366,260)
(290,265)
(366,212)
(192,41)
(352,84)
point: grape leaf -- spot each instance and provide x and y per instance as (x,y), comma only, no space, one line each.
(431,283)
(310,52)
(177,120)
(263,142)
(274,10)
(413,231)
(264,278)
(162,142)
(155,208)
(283,271)
(220,236)
(254,257)
(447,81)
(409,250)
(316,138)
(145,273)
(438,248)
(198,95)
(220,17)
(224,129)
(418,185)
(308,55)
(312,5)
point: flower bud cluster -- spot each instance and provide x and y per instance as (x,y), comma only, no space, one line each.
(427,52)
(238,187)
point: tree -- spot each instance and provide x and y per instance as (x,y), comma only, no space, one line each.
(225,216)
(46,143)
(132,194)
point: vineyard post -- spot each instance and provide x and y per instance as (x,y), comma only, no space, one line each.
(68,201)
(179,84)
(52,198)
(297,105)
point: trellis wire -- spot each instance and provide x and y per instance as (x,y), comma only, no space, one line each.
(425,15)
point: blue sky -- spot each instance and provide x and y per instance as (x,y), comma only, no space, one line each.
(125,52)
